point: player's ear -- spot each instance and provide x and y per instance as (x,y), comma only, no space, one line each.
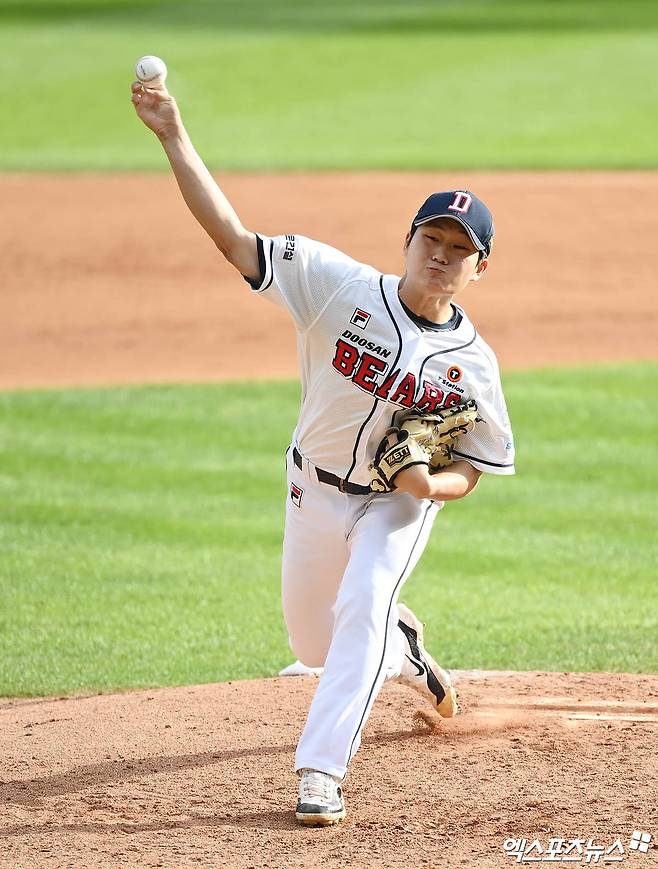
(407,240)
(480,269)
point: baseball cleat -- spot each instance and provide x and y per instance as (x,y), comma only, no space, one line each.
(320,802)
(420,671)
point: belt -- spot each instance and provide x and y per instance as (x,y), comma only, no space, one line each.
(332,479)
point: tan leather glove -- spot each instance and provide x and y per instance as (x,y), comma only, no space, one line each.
(418,439)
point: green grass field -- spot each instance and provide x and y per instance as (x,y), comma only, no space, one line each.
(426,84)
(140,536)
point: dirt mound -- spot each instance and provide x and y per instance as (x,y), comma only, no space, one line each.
(203,776)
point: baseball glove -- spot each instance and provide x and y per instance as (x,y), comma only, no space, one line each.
(417,439)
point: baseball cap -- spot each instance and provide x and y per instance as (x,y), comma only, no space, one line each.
(464,207)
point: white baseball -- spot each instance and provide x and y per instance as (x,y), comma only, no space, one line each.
(151,70)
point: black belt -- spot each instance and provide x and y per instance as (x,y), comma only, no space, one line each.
(332,479)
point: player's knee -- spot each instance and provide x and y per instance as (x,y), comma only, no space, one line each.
(311,654)
(312,660)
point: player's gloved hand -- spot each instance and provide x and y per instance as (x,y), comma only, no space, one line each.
(445,426)
(416,439)
(396,452)
(438,433)
(441,458)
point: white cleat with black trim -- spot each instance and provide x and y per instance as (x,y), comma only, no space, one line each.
(320,802)
(420,671)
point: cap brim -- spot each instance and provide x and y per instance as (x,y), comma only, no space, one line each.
(473,237)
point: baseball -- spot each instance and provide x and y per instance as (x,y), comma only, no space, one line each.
(151,70)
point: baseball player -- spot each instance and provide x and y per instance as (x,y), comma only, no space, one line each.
(362,496)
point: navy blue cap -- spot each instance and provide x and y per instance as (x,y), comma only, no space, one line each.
(464,207)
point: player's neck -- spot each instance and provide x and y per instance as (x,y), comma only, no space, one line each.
(436,309)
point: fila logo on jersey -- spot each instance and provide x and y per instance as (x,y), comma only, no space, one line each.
(360,318)
(454,374)
(289,251)
(461,202)
(398,386)
(296,495)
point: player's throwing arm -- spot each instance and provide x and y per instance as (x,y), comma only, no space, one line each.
(158,110)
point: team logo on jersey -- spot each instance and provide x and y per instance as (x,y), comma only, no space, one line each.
(461,202)
(371,374)
(363,342)
(296,494)
(360,318)
(454,374)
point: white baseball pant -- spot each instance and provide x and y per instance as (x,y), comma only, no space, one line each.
(345,559)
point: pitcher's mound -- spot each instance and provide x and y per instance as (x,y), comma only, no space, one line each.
(203,776)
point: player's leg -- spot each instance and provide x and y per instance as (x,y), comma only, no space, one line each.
(366,645)
(315,554)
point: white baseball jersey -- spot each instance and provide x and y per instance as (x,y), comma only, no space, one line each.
(363,355)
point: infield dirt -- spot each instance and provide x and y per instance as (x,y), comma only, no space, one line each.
(202,776)
(108,280)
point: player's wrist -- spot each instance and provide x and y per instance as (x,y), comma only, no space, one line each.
(414,480)
(172,134)
(447,485)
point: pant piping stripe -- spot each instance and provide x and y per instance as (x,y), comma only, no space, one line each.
(358,519)
(388,613)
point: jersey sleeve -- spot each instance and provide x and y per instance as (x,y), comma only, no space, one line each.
(490,446)
(301,275)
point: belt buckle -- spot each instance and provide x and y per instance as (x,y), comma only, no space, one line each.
(341,486)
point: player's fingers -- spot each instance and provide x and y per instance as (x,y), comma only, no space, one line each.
(159,91)
(141,98)
(154,94)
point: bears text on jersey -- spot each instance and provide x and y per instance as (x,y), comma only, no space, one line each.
(363,370)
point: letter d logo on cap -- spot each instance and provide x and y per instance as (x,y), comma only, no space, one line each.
(461,202)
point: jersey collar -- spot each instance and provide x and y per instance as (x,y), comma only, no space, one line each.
(391,284)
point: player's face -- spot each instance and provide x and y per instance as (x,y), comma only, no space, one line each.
(441,257)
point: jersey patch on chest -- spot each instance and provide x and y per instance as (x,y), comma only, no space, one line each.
(454,374)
